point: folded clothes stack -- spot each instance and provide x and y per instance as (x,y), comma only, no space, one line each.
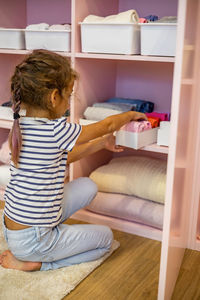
(129,16)
(156,117)
(99,111)
(45,26)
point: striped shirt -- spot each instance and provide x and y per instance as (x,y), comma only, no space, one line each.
(35,191)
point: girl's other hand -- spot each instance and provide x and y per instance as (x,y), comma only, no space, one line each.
(110,144)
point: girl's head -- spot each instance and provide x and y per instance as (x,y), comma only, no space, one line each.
(42,82)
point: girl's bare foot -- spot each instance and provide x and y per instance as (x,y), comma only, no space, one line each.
(8,261)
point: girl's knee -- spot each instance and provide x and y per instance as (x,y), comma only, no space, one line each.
(90,188)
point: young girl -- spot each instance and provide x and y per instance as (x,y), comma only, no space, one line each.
(42,143)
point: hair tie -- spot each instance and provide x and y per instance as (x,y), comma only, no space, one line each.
(16,116)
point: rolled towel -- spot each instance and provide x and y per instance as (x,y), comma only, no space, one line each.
(154,122)
(160,115)
(40,26)
(143,20)
(99,113)
(60,27)
(134,126)
(129,16)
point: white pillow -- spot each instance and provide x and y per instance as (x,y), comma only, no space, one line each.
(144,177)
(4,175)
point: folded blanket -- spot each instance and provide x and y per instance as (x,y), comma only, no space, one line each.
(141,176)
(117,106)
(129,208)
(129,16)
(141,105)
(99,113)
(40,26)
(137,126)
(60,27)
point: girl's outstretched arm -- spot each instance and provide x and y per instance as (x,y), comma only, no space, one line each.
(82,150)
(108,125)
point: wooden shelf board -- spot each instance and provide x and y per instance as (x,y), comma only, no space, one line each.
(126,57)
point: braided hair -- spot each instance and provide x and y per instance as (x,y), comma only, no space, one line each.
(33,80)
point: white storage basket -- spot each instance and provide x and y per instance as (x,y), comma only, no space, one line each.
(53,40)
(158,39)
(110,38)
(11,38)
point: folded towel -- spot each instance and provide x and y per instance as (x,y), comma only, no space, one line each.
(141,105)
(40,26)
(60,27)
(137,126)
(117,106)
(167,19)
(154,121)
(160,115)
(99,113)
(129,16)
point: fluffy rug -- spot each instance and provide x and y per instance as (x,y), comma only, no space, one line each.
(47,285)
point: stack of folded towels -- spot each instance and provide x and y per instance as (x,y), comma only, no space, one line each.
(45,26)
(131,188)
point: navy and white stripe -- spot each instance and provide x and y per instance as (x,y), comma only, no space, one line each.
(35,191)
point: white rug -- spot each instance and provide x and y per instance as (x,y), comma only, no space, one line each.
(46,285)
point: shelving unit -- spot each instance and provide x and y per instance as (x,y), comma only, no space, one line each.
(171,83)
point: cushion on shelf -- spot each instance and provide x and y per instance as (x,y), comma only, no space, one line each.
(144,177)
(4,175)
(129,208)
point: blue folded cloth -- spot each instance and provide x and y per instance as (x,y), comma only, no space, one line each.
(116,106)
(139,105)
(151,18)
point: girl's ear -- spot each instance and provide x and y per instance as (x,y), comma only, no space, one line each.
(54,98)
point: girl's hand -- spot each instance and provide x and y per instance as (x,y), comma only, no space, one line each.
(110,144)
(138,116)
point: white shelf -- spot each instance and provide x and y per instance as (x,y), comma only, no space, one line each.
(126,57)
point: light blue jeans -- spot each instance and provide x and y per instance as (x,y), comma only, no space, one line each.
(63,245)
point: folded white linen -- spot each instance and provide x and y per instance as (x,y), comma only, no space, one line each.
(60,27)
(4,175)
(40,26)
(129,16)
(99,113)
(129,208)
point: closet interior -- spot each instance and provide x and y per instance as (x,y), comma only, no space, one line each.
(169,82)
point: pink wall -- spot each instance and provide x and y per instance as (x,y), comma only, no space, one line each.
(147,81)
(7,63)
(150,7)
(51,12)
(10,11)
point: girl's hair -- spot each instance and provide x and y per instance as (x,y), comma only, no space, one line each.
(33,80)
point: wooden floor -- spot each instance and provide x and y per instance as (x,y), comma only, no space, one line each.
(132,271)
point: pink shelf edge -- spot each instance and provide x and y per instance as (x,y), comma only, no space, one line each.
(119,224)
